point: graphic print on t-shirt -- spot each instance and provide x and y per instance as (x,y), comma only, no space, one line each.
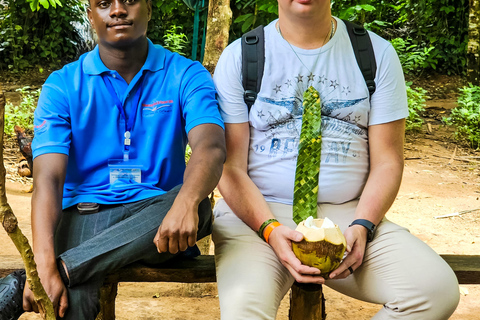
(280,118)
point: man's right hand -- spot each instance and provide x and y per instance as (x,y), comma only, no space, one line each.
(281,241)
(56,291)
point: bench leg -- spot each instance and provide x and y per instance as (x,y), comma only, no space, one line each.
(307,302)
(108,293)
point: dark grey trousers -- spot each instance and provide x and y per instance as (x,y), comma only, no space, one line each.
(95,244)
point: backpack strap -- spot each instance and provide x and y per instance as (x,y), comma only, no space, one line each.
(253,61)
(362,46)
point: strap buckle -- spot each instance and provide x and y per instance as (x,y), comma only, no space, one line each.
(251,39)
(371,86)
(249,96)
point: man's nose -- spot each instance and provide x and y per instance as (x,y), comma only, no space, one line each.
(118,8)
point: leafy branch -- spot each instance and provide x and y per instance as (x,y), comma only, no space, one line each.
(35,4)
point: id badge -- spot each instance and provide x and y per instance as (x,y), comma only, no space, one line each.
(129,171)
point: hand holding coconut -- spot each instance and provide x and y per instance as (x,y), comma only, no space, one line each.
(281,240)
(323,245)
(356,237)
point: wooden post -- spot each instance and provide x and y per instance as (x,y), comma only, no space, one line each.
(108,293)
(10,224)
(307,302)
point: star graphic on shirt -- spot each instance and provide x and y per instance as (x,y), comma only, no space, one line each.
(277,88)
(260,114)
(289,83)
(299,78)
(311,77)
(322,79)
(334,84)
(346,90)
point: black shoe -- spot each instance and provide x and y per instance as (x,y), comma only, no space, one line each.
(11,295)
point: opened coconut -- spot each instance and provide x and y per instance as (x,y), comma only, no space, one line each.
(323,245)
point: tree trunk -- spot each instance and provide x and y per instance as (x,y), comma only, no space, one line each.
(10,224)
(218,26)
(473,49)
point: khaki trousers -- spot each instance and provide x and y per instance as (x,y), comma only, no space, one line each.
(399,271)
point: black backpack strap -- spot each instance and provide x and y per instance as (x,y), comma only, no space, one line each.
(362,46)
(253,61)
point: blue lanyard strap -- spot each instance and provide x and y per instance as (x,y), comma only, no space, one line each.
(129,122)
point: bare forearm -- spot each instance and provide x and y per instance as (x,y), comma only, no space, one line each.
(244,198)
(202,173)
(206,162)
(45,217)
(49,177)
(380,191)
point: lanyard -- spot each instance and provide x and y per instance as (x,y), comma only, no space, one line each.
(129,122)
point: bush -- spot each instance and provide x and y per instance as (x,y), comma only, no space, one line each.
(416,105)
(413,58)
(466,117)
(175,40)
(46,37)
(21,115)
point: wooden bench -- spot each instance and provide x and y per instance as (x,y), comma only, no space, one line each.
(305,301)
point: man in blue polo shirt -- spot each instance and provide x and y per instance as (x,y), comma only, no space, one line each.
(111,186)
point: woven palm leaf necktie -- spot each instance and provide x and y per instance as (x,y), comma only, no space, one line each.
(308,161)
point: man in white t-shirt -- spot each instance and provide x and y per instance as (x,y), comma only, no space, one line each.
(360,174)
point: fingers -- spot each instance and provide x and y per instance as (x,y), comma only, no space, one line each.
(351,263)
(63,304)
(29,303)
(281,239)
(303,273)
(174,242)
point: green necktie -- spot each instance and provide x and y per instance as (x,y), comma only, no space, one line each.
(308,161)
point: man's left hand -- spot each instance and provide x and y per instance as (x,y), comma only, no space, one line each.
(356,237)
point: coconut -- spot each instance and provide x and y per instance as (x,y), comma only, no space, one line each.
(323,245)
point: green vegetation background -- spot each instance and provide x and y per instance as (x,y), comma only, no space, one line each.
(427,34)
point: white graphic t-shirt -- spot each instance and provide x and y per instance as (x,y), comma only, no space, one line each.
(276,117)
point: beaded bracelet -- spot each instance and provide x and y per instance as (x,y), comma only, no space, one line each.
(269,229)
(262,227)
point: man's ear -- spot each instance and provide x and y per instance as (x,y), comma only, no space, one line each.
(149,8)
(90,18)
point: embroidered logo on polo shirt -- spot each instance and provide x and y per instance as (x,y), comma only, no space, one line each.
(157,107)
(41,128)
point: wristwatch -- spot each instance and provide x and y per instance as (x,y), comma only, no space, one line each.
(368,225)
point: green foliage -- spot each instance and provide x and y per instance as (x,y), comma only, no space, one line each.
(441,24)
(416,105)
(175,41)
(35,4)
(435,32)
(21,115)
(167,15)
(466,117)
(45,37)
(438,28)
(413,58)
(249,14)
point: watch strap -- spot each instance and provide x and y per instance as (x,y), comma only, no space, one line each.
(368,225)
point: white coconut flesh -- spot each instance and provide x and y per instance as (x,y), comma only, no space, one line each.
(321,229)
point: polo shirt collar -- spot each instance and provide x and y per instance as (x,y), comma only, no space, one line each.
(93,64)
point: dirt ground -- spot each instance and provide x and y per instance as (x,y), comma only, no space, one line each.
(441,177)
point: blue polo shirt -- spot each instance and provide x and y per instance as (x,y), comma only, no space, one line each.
(77,116)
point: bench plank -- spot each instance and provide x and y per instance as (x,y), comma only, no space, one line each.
(197,270)
(466,267)
(201,269)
